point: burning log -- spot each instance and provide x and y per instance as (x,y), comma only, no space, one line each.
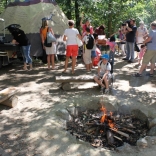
(119,132)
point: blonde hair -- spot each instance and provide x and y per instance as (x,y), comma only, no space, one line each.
(153,23)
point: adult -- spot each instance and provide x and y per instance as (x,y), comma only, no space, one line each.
(86,25)
(100,30)
(104,68)
(70,36)
(44,55)
(140,33)
(50,51)
(122,39)
(20,38)
(150,55)
(130,30)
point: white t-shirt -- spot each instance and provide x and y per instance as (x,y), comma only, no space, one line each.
(85,38)
(104,67)
(71,34)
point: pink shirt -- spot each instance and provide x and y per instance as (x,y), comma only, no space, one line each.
(111,45)
(84,29)
(142,52)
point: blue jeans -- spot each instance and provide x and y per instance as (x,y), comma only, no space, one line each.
(130,51)
(111,57)
(26,54)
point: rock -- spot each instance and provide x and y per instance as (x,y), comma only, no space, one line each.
(152,131)
(64,114)
(124,109)
(142,143)
(152,123)
(140,115)
(125,148)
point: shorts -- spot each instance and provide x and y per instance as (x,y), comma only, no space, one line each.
(149,56)
(72,50)
(109,76)
(93,54)
(51,50)
(87,56)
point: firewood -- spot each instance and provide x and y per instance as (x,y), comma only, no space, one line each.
(117,138)
(119,132)
(11,101)
(128,130)
(110,137)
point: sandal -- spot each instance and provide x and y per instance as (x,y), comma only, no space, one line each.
(55,68)
(151,75)
(64,72)
(137,75)
(25,69)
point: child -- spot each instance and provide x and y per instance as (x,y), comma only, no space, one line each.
(141,54)
(88,40)
(111,44)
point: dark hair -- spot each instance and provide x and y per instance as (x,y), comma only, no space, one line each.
(112,39)
(88,29)
(142,46)
(95,36)
(70,23)
(102,27)
(132,19)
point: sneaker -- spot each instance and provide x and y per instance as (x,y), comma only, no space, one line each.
(129,61)
(102,90)
(137,75)
(124,59)
(106,91)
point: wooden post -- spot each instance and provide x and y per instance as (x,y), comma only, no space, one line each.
(11,101)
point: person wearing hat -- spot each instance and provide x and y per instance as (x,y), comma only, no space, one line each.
(20,38)
(104,68)
(150,54)
(70,36)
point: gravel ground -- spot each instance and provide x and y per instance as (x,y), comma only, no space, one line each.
(33,128)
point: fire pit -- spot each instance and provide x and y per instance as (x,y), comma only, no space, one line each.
(103,128)
(109,127)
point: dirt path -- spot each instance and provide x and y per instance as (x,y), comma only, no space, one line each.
(33,128)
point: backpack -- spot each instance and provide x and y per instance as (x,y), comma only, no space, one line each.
(90,43)
(111,71)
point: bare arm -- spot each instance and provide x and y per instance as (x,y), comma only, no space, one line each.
(79,36)
(147,40)
(64,38)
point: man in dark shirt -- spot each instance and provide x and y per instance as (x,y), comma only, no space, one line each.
(130,30)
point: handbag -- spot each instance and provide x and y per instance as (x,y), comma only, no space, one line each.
(50,37)
(79,42)
(46,44)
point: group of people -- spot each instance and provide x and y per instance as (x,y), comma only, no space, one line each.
(129,37)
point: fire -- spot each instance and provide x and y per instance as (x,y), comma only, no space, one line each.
(104,118)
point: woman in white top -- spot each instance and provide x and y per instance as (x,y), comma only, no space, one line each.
(141,32)
(70,36)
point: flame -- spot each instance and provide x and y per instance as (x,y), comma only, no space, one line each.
(104,118)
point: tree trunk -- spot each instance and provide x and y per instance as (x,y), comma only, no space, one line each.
(69,12)
(77,15)
(110,18)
